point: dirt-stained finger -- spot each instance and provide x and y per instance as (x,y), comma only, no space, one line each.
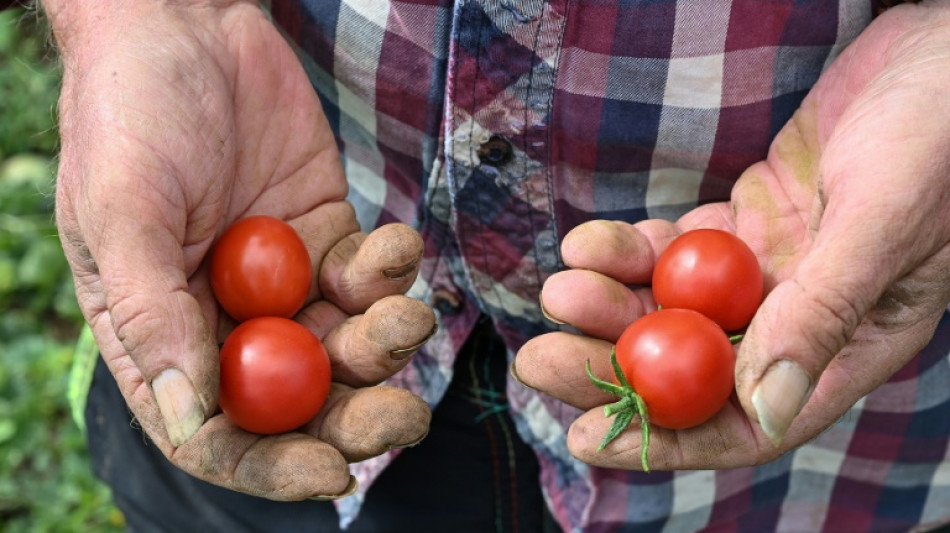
(366,422)
(596,304)
(322,230)
(286,467)
(555,364)
(369,348)
(725,441)
(361,269)
(623,251)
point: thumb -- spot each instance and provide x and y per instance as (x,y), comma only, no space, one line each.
(858,254)
(879,219)
(800,327)
(152,317)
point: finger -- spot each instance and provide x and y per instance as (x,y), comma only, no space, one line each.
(593,303)
(321,230)
(369,348)
(365,422)
(361,269)
(291,466)
(321,317)
(619,250)
(864,244)
(138,253)
(725,441)
(555,363)
(880,197)
(717,215)
(800,329)
(286,467)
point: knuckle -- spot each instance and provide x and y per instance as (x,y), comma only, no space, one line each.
(143,321)
(833,317)
(75,247)
(397,322)
(920,296)
(135,320)
(337,279)
(396,240)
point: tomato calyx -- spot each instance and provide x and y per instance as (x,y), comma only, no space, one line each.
(629,406)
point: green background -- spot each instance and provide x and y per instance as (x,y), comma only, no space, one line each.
(45,478)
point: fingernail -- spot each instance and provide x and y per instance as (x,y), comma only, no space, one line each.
(411,444)
(402,353)
(348,491)
(179,405)
(514,374)
(401,272)
(544,312)
(779,397)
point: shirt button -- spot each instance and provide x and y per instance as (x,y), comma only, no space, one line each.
(496,151)
(446,303)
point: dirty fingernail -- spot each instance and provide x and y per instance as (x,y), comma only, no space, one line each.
(544,312)
(514,373)
(401,272)
(779,397)
(411,444)
(179,405)
(402,353)
(349,490)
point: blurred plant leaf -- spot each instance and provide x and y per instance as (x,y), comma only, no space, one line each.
(29,85)
(42,266)
(46,484)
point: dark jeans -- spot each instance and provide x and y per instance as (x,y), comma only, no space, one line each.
(472,473)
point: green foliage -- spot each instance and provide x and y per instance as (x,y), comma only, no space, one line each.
(34,276)
(45,480)
(29,85)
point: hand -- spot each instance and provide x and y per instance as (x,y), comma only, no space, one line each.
(176,121)
(850,218)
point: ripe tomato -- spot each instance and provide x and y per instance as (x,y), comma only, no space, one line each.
(680,363)
(260,267)
(713,272)
(275,375)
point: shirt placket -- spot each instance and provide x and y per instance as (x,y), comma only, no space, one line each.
(500,86)
(497,129)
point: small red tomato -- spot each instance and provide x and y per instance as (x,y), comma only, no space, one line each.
(712,272)
(275,375)
(260,267)
(680,363)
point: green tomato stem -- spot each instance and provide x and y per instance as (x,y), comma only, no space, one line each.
(629,406)
(625,403)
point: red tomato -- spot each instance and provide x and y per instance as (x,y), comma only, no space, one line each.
(680,363)
(275,375)
(260,267)
(713,272)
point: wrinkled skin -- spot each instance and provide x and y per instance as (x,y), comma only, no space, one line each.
(177,120)
(849,216)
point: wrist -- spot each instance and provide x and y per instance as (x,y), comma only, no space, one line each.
(82,28)
(79,27)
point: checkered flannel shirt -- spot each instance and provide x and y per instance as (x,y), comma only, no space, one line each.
(494,127)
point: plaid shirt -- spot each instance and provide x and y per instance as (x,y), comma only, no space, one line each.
(494,127)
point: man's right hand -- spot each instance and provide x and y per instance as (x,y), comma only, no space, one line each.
(177,120)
